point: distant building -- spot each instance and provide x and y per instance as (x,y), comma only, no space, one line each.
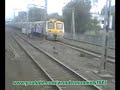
(23,16)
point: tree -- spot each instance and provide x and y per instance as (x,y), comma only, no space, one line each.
(95,25)
(83,21)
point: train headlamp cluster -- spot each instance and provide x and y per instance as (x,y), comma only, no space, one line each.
(56,31)
(50,31)
(52,21)
(61,31)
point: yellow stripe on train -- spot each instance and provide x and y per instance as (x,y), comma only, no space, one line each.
(55,31)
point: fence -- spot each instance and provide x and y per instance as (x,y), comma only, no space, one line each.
(96,39)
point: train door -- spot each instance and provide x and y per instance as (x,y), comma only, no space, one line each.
(39,28)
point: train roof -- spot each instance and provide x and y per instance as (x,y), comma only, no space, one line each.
(40,22)
(55,21)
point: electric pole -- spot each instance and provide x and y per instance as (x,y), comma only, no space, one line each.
(27,29)
(27,16)
(106,29)
(45,16)
(14,16)
(73,22)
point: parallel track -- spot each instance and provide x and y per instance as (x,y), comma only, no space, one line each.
(88,43)
(86,51)
(110,59)
(68,73)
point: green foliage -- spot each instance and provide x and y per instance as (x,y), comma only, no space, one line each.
(95,25)
(82,15)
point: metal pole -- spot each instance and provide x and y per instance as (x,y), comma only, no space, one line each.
(73,22)
(27,20)
(27,16)
(14,15)
(45,17)
(106,28)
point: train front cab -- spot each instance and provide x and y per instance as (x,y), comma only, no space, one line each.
(55,29)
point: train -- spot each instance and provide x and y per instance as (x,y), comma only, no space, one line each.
(54,28)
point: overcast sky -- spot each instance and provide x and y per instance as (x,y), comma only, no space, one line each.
(53,6)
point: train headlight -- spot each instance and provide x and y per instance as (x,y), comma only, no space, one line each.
(50,31)
(61,31)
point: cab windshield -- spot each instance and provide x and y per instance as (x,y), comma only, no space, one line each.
(60,26)
(50,25)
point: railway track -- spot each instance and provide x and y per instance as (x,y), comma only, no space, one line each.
(88,43)
(110,59)
(86,51)
(55,69)
(56,87)
(38,73)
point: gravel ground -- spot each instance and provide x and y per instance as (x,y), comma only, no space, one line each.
(21,68)
(82,65)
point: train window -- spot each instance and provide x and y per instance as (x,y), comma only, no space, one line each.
(50,25)
(60,26)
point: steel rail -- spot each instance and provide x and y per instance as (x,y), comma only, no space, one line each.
(97,55)
(88,43)
(51,79)
(13,50)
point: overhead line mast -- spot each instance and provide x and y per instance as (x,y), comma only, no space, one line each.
(45,16)
(105,37)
